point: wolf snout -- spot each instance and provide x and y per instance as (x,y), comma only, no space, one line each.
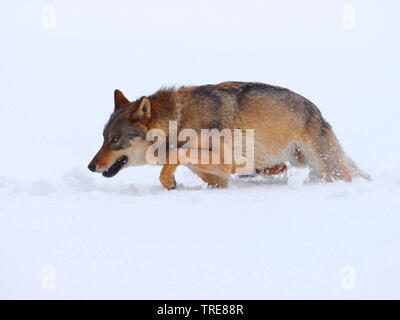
(92,167)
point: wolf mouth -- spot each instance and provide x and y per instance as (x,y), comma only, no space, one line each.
(116,167)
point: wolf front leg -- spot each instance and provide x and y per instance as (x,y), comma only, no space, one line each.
(167,178)
(201,162)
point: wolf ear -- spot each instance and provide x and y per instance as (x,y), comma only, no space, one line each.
(143,111)
(119,99)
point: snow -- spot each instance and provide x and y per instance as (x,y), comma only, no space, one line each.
(68,233)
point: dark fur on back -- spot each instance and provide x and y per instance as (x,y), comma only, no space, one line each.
(237,93)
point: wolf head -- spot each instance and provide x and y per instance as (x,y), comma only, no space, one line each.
(124,137)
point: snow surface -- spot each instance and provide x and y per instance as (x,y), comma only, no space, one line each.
(127,237)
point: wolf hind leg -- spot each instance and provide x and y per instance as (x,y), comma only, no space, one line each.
(357,171)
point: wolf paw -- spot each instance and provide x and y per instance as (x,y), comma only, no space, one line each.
(168,183)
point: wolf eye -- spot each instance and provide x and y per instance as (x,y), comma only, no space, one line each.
(114,139)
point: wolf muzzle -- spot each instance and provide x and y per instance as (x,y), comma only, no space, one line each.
(113,169)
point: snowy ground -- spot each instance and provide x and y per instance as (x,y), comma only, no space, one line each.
(68,233)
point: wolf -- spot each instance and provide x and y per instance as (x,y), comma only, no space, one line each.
(288,130)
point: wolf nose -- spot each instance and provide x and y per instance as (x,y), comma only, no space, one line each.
(92,167)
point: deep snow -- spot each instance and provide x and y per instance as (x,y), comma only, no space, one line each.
(127,237)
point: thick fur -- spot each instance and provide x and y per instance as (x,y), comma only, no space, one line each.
(288,128)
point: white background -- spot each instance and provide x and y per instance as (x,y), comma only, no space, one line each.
(128,237)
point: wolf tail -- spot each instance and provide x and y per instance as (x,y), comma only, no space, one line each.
(357,172)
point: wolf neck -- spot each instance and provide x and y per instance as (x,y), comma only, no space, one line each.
(165,107)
